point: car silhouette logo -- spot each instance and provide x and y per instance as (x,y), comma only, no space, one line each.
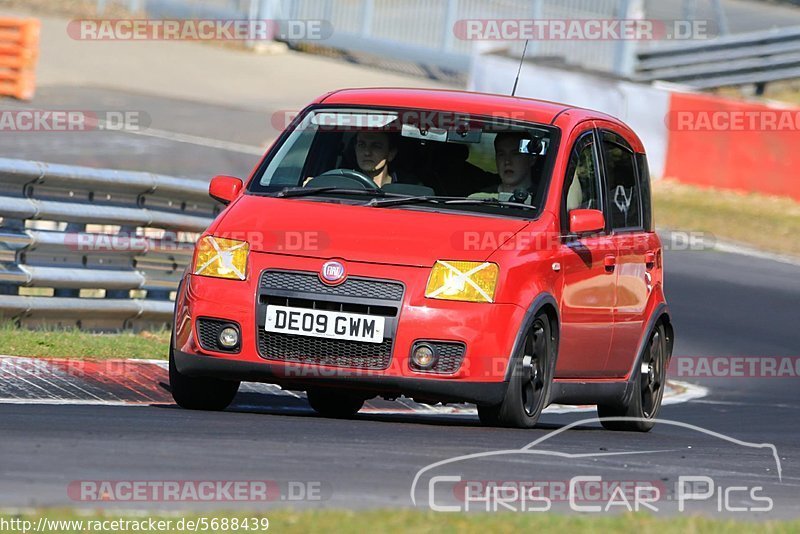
(332,272)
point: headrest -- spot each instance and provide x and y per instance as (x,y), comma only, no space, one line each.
(454,152)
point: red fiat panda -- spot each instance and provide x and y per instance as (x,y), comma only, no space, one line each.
(446,246)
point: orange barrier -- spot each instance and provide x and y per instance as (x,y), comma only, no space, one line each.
(19,50)
(731,144)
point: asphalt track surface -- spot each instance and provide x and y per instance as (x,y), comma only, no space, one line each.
(722,304)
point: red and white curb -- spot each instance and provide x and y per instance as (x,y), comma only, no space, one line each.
(146,382)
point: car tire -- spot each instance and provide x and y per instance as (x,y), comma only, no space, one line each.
(193,393)
(528,391)
(334,404)
(648,391)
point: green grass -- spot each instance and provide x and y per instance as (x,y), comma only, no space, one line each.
(74,343)
(380,521)
(768,223)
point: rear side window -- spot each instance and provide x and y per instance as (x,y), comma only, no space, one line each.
(624,193)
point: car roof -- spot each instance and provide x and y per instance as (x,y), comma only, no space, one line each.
(505,106)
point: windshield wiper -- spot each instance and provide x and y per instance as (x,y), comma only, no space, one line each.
(445,200)
(492,202)
(289,192)
(382,199)
(404,199)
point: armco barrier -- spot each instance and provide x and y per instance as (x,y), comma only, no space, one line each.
(75,230)
(19,51)
(733,144)
(735,60)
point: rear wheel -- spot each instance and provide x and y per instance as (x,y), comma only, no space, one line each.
(528,390)
(649,383)
(194,393)
(336,404)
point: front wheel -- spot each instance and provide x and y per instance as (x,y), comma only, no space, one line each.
(528,390)
(335,404)
(193,393)
(645,403)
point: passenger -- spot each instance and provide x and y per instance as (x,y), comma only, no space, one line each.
(515,171)
(514,168)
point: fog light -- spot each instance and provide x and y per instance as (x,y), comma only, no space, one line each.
(229,337)
(424,357)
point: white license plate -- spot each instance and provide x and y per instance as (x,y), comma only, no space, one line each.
(328,324)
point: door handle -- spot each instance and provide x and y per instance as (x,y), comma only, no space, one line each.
(650,260)
(610,263)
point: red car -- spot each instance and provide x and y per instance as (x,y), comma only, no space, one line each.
(447,246)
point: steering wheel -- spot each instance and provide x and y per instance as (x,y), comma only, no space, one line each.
(349,174)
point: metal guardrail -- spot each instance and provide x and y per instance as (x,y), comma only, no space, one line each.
(749,58)
(75,231)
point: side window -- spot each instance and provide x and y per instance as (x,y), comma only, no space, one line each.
(581,188)
(644,184)
(624,194)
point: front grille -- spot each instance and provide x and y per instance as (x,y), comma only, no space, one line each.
(321,351)
(208,332)
(310,283)
(450,356)
(355,295)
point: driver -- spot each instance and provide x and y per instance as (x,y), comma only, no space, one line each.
(374,152)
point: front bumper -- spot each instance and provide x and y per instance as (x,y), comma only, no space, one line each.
(486,330)
(421,389)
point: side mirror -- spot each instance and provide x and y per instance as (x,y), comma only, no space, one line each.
(586,221)
(225,188)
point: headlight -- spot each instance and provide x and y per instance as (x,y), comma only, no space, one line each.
(472,281)
(221,258)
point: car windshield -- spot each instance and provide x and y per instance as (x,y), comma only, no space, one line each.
(386,158)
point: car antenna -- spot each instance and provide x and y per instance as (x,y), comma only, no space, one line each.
(521,60)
